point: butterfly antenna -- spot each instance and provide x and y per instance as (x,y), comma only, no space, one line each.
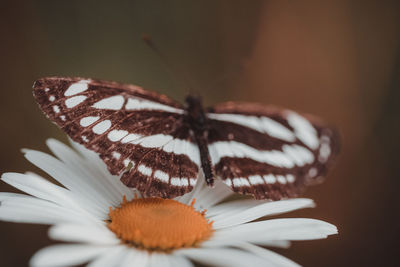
(171,68)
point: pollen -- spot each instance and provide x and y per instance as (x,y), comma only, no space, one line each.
(159,224)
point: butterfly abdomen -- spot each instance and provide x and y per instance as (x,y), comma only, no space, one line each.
(197,122)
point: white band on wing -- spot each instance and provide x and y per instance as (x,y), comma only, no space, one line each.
(290,156)
(261,124)
(138,104)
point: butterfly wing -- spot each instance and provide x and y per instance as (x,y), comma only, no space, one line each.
(268,152)
(138,133)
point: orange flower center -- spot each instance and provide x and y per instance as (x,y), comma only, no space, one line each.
(159,224)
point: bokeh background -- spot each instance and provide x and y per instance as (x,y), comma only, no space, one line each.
(336,59)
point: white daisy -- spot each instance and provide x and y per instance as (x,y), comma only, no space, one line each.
(109,226)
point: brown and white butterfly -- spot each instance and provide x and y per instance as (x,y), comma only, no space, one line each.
(160,146)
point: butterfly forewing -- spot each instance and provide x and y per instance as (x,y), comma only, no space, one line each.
(268,152)
(138,133)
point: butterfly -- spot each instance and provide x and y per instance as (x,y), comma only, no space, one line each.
(160,146)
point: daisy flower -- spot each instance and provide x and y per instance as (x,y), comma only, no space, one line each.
(108,224)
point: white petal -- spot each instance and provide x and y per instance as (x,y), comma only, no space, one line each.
(8,195)
(277,229)
(105,186)
(179,261)
(265,209)
(224,257)
(74,162)
(277,243)
(111,258)
(159,259)
(84,192)
(38,187)
(98,168)
(228,241)
(273,258)
(207,197)
(135,258)
(23,209)
(187,198)
(233,207)
(65,255)
(96,234)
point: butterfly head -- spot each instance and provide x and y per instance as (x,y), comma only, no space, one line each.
(193,100)
(194,109)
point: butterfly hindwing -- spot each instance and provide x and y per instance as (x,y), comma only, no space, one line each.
(268,152)
(138,133)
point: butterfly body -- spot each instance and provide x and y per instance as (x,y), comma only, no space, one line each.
(160,146)
(197,121)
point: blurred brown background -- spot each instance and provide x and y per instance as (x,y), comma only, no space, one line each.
(336,59)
